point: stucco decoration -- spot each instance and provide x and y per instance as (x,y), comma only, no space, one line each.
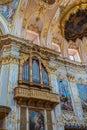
(7,9)
(68,117)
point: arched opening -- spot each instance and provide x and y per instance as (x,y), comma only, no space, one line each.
(74,55)
(56,47)
(33,37)
(34,28)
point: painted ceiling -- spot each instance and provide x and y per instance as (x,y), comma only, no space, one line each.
(7,8)
(76,26)
(5,1)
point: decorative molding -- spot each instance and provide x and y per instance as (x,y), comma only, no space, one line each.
(70,77)
(68,116)
(9,59)
(35,97)
(46,53)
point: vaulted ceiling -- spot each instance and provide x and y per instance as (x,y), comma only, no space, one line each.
(54,20)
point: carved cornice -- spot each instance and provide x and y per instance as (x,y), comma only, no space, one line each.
(9,59)
(45,53)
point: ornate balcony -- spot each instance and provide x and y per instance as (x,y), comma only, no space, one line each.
(4,111)
(35,97)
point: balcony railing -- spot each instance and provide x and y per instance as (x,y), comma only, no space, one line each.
(21,93)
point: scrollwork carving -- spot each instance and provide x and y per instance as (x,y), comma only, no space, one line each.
(68,116)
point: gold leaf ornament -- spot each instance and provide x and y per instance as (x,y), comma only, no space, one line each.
(5,1)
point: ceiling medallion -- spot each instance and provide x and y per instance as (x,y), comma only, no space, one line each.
(50,2)
(76,26)
(5,1)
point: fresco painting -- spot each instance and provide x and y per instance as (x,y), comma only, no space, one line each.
(82,90)
(65,94)
(8,10)
(36,121)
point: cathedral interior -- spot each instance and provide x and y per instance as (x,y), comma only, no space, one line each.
(43,64)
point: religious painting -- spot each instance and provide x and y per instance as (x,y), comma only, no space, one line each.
(82,90)
(8,9)
(76,26)
(36,119)
(65,97)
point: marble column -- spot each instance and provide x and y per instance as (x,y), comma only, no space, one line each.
(9,80)
(76,101)
(57,111)
(4,84)
(45,116)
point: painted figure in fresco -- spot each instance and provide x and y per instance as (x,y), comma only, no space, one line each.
(82,89)
(7,10)
(76,26)
(36,121)
(64,94)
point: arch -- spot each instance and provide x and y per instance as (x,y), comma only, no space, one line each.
(74,54)
(3,25)
(56,47)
